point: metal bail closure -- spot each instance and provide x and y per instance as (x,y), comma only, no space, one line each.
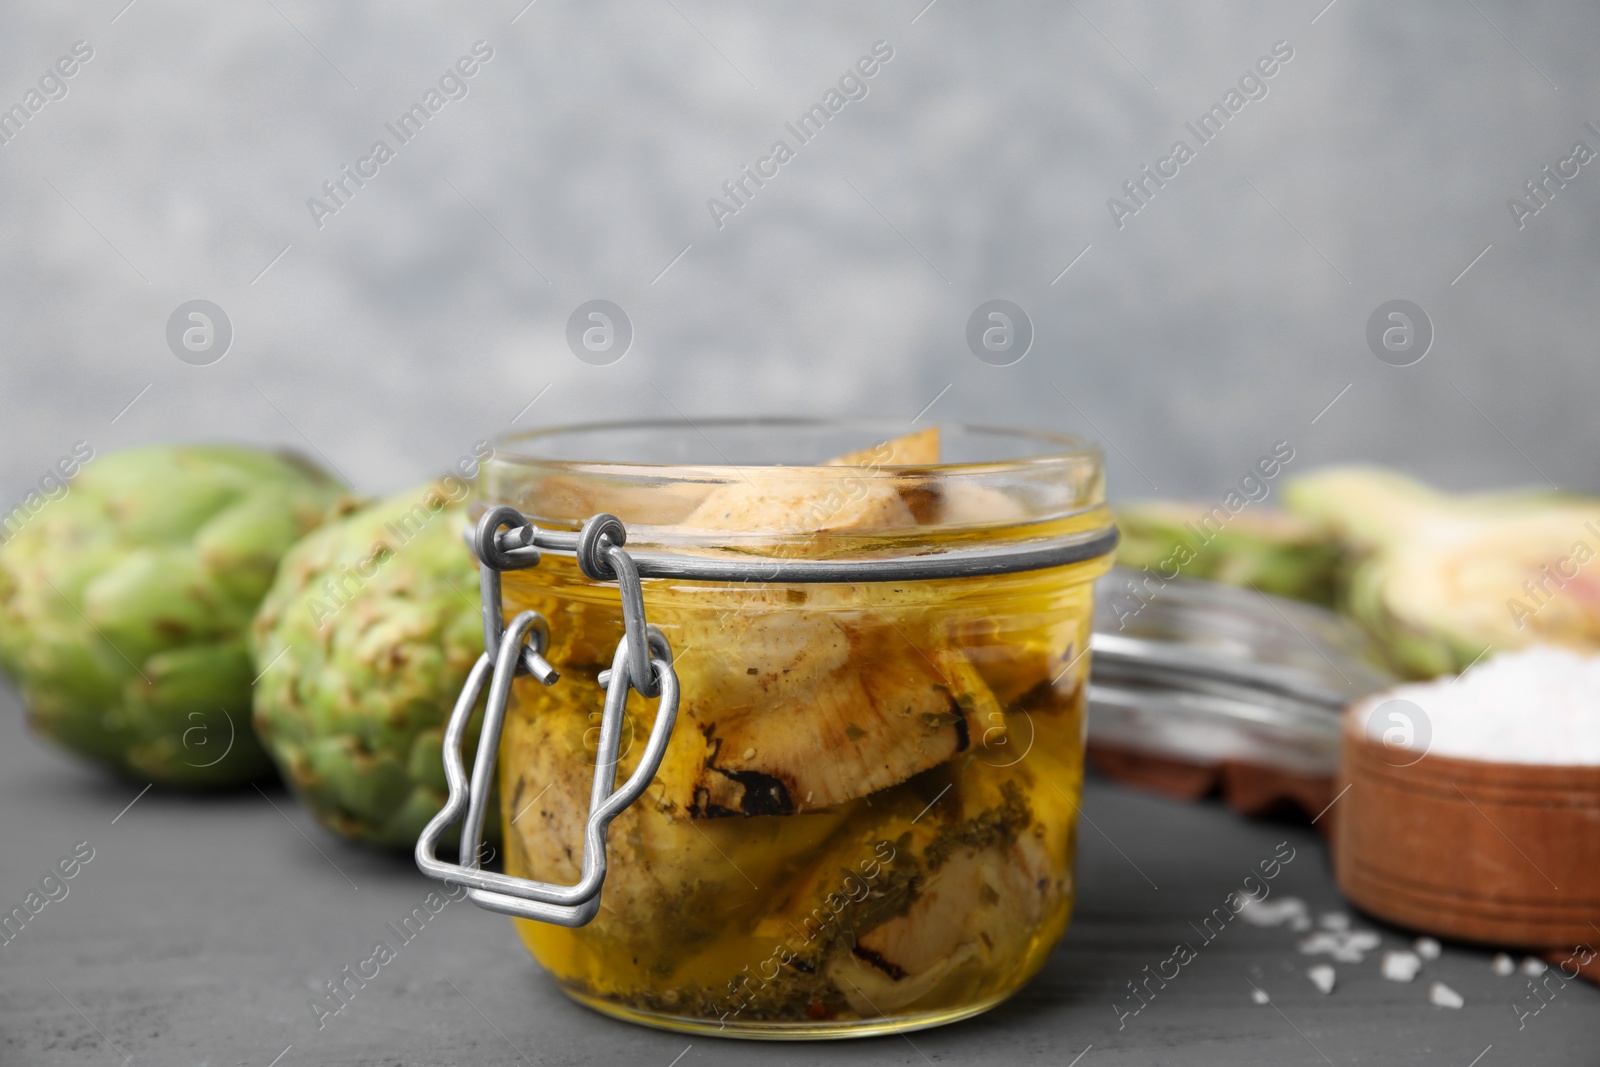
(518,649)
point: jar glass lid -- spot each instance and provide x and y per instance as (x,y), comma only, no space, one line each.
(1204,672)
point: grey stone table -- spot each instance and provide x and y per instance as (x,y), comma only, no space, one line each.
(200,928)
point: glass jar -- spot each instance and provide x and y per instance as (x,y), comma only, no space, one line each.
(864,820)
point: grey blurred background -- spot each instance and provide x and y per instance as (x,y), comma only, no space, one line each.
(1225,316)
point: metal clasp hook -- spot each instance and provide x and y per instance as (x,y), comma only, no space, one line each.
(519,648)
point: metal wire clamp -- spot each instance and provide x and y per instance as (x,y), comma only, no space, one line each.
(504,541)
(643,661)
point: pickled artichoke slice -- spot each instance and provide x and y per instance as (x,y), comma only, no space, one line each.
(945,879)
(980,904)
(796,710)
(661,862)
(910,450)
(765,500)
(854,733)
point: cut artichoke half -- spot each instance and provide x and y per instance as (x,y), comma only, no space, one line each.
(1441,579)
(1273,551)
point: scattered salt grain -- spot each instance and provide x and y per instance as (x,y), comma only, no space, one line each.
(1533,966)
(1345,947)
(1272,913)
(1503,964)
(1401,966)
(1427,948)
(1531,706)
(1334,920)
(1260,996)
(1322,977)
(1444,996)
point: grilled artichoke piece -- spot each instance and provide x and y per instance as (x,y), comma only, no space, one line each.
(661,863)
(979,906)
(831,707)
(956,503)
(742,660)
(1274,551)
(920,449)
(989,880)
(1442,578)
(938,879)
(965,504)
(852,734)
(124,605)
(1040,671)
(765,500)
(363,644)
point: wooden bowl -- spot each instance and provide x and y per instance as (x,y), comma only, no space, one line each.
(1502,853)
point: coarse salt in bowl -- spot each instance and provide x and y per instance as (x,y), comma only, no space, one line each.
(1469,807)
(1539,705)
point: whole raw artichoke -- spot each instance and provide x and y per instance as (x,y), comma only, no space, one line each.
(365,641)
(124,605)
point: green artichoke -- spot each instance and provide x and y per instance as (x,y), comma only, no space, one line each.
(1273,551)
(124,605)
(1443,578)
(364,642)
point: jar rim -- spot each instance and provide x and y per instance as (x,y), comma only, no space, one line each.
(1053,448)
